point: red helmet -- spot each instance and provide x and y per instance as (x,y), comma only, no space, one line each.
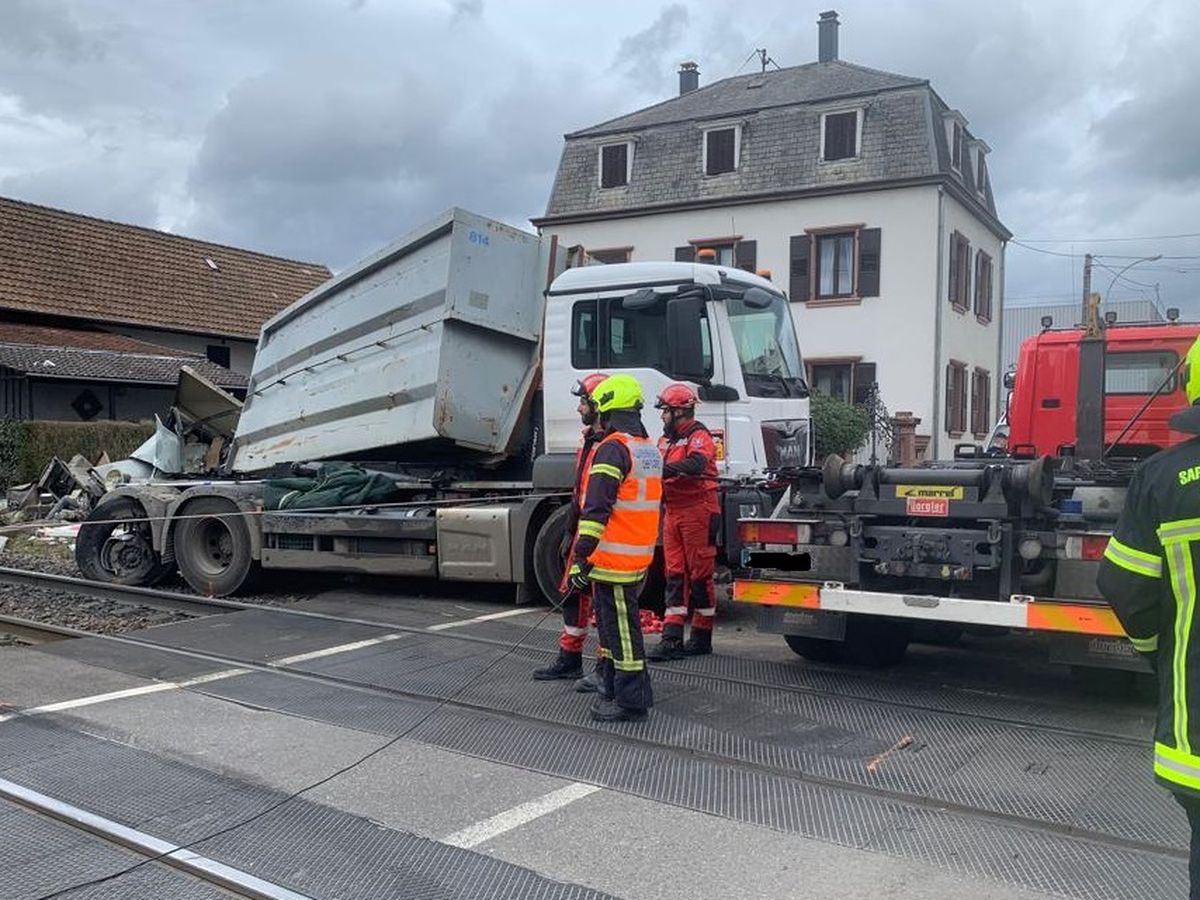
(677,396)
(585,385)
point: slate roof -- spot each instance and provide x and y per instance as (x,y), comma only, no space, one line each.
(65,264)
(94,356)
(903,142)
(749,93)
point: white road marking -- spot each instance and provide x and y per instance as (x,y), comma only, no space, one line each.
(330,651)
(159,687)
(485,830)
(189,861)
(486,618)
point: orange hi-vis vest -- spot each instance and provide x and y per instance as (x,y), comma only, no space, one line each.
(627,543)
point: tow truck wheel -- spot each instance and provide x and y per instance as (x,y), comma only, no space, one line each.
(815,649)
(107,549)
(212,546)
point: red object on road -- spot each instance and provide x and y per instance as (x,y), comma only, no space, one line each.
(651,624)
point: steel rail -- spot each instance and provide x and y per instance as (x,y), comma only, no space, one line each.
(829,782)
(176,601)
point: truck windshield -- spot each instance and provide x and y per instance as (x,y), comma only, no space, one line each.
(767,349)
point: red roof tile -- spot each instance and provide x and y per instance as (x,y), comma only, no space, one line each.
(65,264)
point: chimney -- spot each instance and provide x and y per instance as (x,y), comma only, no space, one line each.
(827,29)
(689,77)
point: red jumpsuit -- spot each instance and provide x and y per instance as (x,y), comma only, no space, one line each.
(577,605)
(691,519)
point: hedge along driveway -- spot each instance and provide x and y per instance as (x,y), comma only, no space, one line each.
(26,447)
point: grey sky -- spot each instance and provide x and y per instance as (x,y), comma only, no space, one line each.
(322,129)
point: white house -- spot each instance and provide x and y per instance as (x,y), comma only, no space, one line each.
(861,191)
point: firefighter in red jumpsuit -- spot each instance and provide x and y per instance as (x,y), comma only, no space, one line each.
(577,606)
(691,520)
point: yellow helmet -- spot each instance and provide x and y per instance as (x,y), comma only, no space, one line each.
(1192,375)
(617,392)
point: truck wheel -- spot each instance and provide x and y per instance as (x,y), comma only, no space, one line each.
(876,642)
(816,649)
(548,560)
(212,546)
(117,553)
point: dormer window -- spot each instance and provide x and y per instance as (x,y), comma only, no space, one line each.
(840,135)
(981,173)
(722,149)
(956,147)
(616,164)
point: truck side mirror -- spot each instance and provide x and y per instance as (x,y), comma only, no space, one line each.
(757,298)
(644,298)
(1010,380)
(685,347)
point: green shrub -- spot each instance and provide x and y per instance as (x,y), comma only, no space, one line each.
(840,428)
(26,447)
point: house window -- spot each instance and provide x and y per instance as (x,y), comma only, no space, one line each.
(833,380)
(845,380)
(835,265)
(839,135)
(960,272)
(956,398)
(981,175)
(605,335)
(726,251)
(981,403)
(615,164)
(956,147)
(721,150)
(611,255)
(983,287)
(218,353)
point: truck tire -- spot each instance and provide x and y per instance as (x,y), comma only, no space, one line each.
(876,642)
(116,553)
(816,649)
(212,547)
(548,561)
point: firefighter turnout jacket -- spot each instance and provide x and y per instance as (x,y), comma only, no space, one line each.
(618,522)
(689,465)
(1148,575)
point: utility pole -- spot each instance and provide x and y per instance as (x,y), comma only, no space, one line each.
(1087,287)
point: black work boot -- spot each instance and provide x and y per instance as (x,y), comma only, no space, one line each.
(567,665)
(593,681)
(699,643)
(608,711)
(670,646)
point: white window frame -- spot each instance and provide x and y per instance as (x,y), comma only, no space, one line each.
(628,164)
(737,147)
(858,127)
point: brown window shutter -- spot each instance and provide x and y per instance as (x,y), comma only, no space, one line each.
(685,254)
(868,262)
(952,280)
(949,398)
(798,279)
(965,272)
(745,255)
(864,378)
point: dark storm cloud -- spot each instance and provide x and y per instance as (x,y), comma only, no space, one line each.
(322,129)
(644,57)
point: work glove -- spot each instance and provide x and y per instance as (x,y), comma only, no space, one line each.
(578,579)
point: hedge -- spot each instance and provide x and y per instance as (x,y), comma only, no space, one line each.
(26,447)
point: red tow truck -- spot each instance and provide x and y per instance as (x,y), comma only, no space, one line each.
(853,557)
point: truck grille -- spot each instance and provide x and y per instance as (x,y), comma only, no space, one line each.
(786,442)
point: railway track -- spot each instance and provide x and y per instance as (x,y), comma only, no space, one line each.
(457,700)
(943,703)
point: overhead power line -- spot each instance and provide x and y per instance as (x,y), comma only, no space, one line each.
(1109,240)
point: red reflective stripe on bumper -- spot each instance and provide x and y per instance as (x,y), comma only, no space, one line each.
(776,594)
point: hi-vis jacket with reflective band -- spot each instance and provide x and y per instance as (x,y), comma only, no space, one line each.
(618,525)
(1148,575)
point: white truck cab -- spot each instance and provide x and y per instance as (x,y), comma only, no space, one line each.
(726,331)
